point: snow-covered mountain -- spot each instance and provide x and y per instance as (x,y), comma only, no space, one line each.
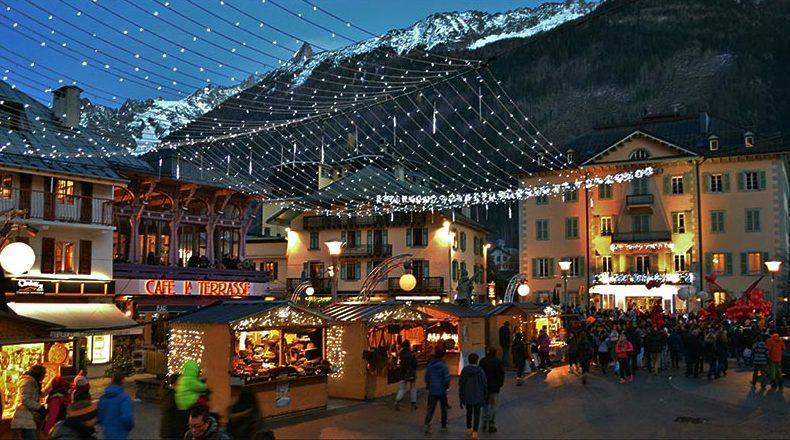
(139,124)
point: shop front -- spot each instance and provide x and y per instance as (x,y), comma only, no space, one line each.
(625,297)
(460,330)
(363,344)
(276,349)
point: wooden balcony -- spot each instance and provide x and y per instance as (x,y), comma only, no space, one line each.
(641,237)
(640,203)
(333,222)
(424,285)
(50,206)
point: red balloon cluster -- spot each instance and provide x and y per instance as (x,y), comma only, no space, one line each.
(709,312)
(745,308)
(651,284)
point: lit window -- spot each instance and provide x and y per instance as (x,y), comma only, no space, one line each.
(642,263)
(716,183)
(719,263)
(755,261)
(748,141)
(271,268)
(719,297)
(64,257)
(65,191)
(606,264)
(6,185)
(606,226)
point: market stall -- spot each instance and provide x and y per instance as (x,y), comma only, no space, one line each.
(461,330)
(519,318)
(274,348)
(24,343)
(549,317)
(363,346)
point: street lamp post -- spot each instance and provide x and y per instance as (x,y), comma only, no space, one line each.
(335,247)
(565,267)
(773,267)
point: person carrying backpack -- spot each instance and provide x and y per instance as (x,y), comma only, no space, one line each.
(437,381)
(760,363)
(473,393)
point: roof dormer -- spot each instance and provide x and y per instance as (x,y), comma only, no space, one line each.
(713,142)
(570,156)
(748,139)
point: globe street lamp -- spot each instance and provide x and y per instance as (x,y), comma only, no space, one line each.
(773,267)
(565,267)
(523,290)
(17,258)
(335,247)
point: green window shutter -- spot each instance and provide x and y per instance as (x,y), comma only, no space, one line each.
(567,227)
(708,262)
(384,239)
(758,220)
(706,182)
(305,271)
(370,267)
(342,271)
(728,263)
(744,263)
(764,258)
(686,182)
(370,237)
(675,222)
(551,267)
(763,181)
(426,272)
(534,268)
(408,237)
(358,236)
(424,236)
(614,224)
(725,182)
(741,181)
(667,185)
(358,271)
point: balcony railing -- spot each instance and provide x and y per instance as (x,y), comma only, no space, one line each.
(321,285)
(424,285)
(625,278)
(648,236)
(144,271)
(333,222)
(639,200)
(368,250)
(44,205)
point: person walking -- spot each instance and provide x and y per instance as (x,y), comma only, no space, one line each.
(28,410)
(519,356)
(116,416)
(603,350)
(57,401)
(244,417)
(202,426)
(495,376)
(723,350)
(584,353)
(437,381)
(692,351)
(408,375)
(79,424)
(572,342)
(504,342)
(711,356)
(189,387)
(544,344)
(473,393)
(776,346)
(760,363)
(654,343)
(623,350)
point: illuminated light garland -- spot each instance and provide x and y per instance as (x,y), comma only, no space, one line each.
(658,246)
(624,278)
(404,202)
(335,353)
(397,314)
(281,317)
(184,345)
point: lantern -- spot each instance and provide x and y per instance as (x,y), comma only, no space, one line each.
(407,282)
(17,258)
(523,289)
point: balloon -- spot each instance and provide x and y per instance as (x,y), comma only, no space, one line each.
(703,295)
(683,293)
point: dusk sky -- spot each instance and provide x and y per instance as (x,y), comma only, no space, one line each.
(119,49)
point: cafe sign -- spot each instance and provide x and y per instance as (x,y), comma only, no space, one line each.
(192,287)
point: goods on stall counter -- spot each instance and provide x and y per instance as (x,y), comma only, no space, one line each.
(259,359)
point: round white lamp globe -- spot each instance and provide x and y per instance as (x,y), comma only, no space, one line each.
(309,291)
(17,258)
(523,290)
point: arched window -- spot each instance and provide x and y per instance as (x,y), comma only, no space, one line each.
(639,154)
(197,207)
(231,212)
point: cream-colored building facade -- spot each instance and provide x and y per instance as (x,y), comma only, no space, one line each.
(716,207)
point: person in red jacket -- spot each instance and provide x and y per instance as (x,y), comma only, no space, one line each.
(776,346)
(623,350)
(58,400)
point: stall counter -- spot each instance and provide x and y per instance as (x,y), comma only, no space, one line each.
(285,396)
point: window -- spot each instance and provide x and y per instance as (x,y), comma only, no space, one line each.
(353,239)
(570,195)
(475,244)
(543,267)
(680,262)
(572,227)
(748,141)
(420,268)
(314,241)
(754,263)
(463,241)
(351,271)
(752,220)
(455,239)
(569,155)
(677,184)
(271,268)
(713,143)
(577,268)
(679,222)
(716,183)
(719,297)
(417,237)
(6,185)
(606,264)
(642,263)
(65,191)
(640,154)
(605,191)
(641,223)
(455,271)
(719,263)
(751,181)
(717,221)
(606,226)
(639,186)
(542,229)
(463,268)
(64,257)
(542,199)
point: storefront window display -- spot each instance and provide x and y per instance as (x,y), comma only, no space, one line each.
(266,354)
(15,359)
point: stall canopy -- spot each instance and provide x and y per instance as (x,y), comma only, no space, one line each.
(374,313)
(455,310)
(79,319)
(248,315)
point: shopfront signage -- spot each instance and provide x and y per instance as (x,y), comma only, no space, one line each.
(30,287)
(202,287)
(27,286)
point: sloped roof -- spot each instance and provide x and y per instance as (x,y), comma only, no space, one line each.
(689,133)
(455,310)
(376,313)
(247,315)
(43,143)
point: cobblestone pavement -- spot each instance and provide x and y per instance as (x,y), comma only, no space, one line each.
(557,405)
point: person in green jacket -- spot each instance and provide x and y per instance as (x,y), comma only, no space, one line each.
(189,386)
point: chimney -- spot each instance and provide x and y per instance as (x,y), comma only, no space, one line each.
(66,105)
(704,122)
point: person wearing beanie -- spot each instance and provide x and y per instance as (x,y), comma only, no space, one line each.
(80,388)
(57,402)
(116,417)
(80,422)
(28,407)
